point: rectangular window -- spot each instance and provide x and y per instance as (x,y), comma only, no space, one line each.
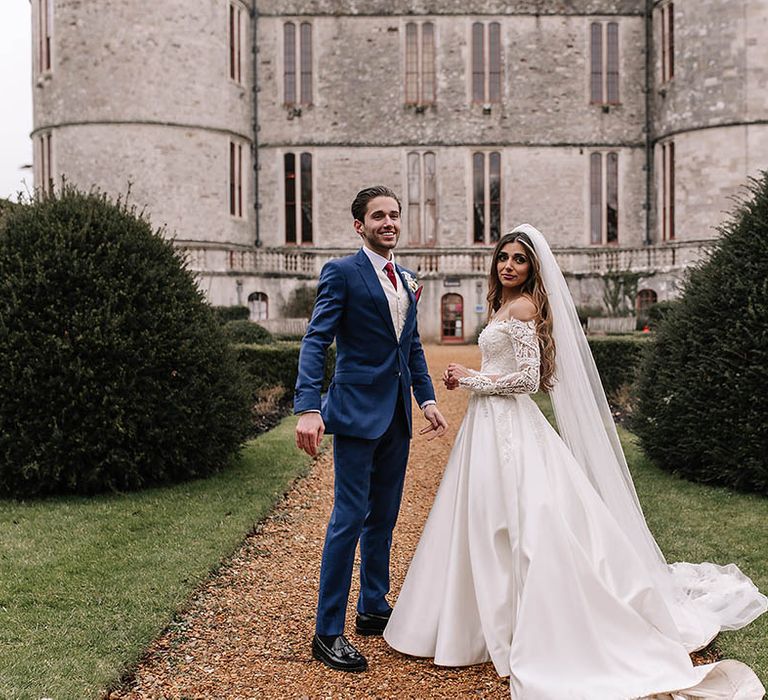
(595,198)
(486,178)
(306,63)
(422,198)
(596,45)
(486,62)
(419,63)
(298,198)
(236,179)
(411,63)
(297,64)
(428,91)
(604,198)
(668,191)
(236,42)
(612,198)
(667,42)
(290,197)
(604,63)
(306,198)
(44,34)
(478,62)
(612,64)
(44,160)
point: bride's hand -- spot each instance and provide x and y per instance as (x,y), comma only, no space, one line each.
(452,374)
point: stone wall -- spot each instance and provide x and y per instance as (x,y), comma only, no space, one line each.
(359,97)
(140,92)
(711,167)
(715,108)
(449,7)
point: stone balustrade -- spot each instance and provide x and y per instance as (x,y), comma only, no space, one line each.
(306,262)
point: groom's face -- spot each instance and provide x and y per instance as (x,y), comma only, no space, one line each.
(380,229)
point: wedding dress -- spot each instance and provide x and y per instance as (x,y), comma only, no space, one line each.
(522,563)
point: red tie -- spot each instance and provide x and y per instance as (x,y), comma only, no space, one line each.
(390,270)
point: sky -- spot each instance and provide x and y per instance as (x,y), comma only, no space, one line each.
(15,97)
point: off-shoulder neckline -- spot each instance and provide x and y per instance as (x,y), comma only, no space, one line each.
(512,318)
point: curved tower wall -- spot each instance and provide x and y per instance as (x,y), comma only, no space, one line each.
(714,109)
(140,92)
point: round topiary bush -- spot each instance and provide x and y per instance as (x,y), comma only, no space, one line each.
(115,374)
(703,387)
(247,332)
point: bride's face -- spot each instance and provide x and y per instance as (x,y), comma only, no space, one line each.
(513,265)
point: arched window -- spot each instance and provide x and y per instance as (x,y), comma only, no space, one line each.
(258,303)
(452,318)
(645,299)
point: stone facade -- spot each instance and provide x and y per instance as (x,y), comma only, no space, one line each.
(141,92)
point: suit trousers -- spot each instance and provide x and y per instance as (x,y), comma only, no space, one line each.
(368,486)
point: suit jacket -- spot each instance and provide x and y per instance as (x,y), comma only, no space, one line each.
(373,369)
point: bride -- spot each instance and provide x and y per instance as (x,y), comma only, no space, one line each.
(536,555)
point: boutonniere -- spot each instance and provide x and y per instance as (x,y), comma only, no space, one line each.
(410,280)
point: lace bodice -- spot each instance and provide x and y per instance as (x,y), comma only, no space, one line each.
(511,359)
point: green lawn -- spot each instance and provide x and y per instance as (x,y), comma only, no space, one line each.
(698,523)
(87,583)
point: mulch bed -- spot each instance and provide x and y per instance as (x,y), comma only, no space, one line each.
(246,632)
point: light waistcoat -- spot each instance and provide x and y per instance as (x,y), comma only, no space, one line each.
(397,299)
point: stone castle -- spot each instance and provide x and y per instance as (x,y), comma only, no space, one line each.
(620,128)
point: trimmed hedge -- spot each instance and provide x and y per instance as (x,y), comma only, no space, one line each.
(703,390)
(224,314)
(247,332)
(618,359)
(278,364)
(114,373)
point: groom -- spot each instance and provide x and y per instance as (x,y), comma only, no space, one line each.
(368,304)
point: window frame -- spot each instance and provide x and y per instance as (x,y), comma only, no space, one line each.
(44,33)
(236,180)
(237,36)
(604,197)
(486,69)
(257,299)
(667,42)
(604,62)
(421,209)
(298,64)
(44,147)
(667,194)
(298,211)
(420,72)
(492,210)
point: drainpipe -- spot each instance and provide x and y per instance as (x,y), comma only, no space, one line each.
(648,120)
(255,49)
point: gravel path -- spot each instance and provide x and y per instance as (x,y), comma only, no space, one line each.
(246,633)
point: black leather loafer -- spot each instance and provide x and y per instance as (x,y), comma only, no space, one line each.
(339,655)
(370,624)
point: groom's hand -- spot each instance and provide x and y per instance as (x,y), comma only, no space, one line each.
(437,424)
(309,432)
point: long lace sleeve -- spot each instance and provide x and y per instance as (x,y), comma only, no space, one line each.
(525,379)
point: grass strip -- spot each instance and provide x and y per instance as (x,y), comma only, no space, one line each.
(87,583)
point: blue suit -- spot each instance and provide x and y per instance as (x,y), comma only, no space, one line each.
(368,410)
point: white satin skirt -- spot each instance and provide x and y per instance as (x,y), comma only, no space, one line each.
(520,563)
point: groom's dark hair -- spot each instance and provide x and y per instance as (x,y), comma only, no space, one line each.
(364,196)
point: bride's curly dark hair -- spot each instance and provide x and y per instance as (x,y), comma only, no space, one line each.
(534,288)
